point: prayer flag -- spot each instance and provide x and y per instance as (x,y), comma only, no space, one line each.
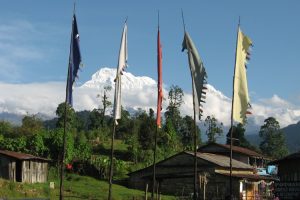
(159,82)
(74,61)
(241,101)
(198,72)
(122,64)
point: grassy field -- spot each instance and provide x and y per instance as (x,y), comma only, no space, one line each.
(76,187)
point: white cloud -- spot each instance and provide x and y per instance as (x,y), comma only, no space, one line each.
(137,92)
(285,112)
(31,98)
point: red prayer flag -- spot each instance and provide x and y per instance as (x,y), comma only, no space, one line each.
(159,82)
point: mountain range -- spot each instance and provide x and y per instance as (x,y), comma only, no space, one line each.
(138,92)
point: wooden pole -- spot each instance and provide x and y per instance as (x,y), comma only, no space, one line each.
(195,145)
(155,134)
(157,190)
(61,187)
(195,129)
(61,184)
(146,192)
(204,187)
(154,164)
(111,162)
(231,132)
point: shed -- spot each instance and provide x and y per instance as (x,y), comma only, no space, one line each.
(23,167)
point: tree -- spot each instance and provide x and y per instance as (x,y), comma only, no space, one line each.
(125,125)
(31,125)
(70,118)
(238,136)
(187,133)
(273,141)
(14,144)
(169,140)
(147,130)
(83,150)
(36,144)
(175,101)
(5,128)
(95,119)
(213,128)
(105,102)
(55,143)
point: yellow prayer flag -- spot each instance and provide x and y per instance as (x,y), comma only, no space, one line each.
(241,101)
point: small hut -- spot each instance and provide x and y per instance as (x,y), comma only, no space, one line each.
(23,167)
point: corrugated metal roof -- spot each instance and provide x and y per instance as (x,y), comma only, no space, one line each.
(220,160)
(21,156)
(236,149)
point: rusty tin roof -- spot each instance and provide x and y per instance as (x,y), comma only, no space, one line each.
(222,161)
(21,156)
(235,149)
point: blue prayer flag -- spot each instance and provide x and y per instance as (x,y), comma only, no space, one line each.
(74,61)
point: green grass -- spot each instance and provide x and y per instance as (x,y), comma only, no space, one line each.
(75,187)
(119,145)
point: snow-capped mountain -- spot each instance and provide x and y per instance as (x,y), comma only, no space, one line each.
(106,76)
(141,92)
(137,92)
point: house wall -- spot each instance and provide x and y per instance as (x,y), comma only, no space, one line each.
(7,168)
(178,165)
(289,185)
(34,171)
(289,170)
(217,186)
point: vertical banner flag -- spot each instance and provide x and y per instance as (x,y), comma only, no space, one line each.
(197,71)
(74,61)
(122,64)
(159,82)
(241,101)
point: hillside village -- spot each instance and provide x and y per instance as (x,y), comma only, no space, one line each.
(88,147)
(120,136)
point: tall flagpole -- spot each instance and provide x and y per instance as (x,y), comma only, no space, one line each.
(231,132)
(154,185)
(195,145)
(111,163)
(195,130)
(122,63)
(61,186)
(154,165)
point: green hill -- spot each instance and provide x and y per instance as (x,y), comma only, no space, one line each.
(292,137)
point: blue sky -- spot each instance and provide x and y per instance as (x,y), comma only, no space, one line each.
(35,36)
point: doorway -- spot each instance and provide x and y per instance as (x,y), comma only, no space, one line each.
(19,171)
